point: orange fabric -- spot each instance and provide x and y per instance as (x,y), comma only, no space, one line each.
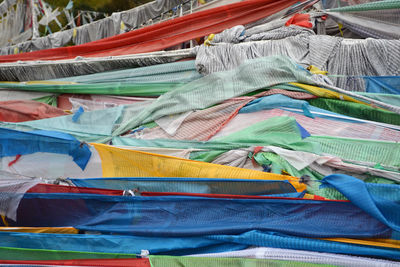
(302,20)
(387,243)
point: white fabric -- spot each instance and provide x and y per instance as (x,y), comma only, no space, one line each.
(62,166)
(303,256)
(11,192)
(170,124)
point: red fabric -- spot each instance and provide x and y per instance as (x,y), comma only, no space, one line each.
(14,161)
(302,20)
(27,110)
(165,34)
(52,188)
(87,262)
(158,194)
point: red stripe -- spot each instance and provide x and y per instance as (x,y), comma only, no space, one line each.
(153,194)
(51,188)
(87,262)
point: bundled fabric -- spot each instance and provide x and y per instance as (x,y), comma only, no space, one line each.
(46,70)
(145,40)
(117,23)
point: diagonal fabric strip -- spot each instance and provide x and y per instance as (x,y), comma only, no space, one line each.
(117,162)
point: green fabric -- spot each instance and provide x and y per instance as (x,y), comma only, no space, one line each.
(116,88)
(170,261)
(386,98)
(212,89)
(378,5)
(7,253)
(49,100)
(277,164)
(356,110)
(182,72)
(384,153)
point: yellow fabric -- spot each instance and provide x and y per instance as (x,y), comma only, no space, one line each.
(387,243)
(322,92)
(53,230)
(118,162)
(314,70)
(4,220)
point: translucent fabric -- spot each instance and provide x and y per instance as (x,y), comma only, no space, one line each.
(192,216)
(189,185)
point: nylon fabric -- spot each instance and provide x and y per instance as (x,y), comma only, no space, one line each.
(19,111)
(82,262)
(10,253)
(356,110)
(158,261)
(15,143)
(186,216)
(127,163)
(385,85)
(146,39)
(278,240)
(300,255)
(52,188)
(53,230)
(189,185)
(12,192)
(380,201)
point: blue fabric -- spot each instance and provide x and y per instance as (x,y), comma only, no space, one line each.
(384,84)
(304,133)
(284,102)
(190,185)
(14,143)
(382,201)
(195,216)
(115,243)
(183,245)
(277,240)
(77,114)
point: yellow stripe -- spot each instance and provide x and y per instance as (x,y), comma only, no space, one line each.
(322,92)
(3,218)
(118,162)
(387,243)
(54,230)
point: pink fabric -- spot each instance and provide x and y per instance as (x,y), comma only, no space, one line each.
(203,124)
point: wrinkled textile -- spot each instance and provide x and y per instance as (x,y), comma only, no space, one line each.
(118,162)
(100,29)
(202,124)
(146,39)
(189,185)
(202,93)
(46,70)
(14,143)
(300,255)
(12,191)
(381,201)
(188,216)
(18,111)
